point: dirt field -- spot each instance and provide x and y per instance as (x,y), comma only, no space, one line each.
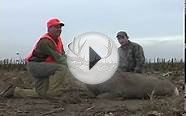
(74,102)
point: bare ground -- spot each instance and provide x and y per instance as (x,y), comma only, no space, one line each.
(74,102)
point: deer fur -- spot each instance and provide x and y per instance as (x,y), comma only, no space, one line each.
(133,85)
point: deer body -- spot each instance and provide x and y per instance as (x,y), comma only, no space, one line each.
(124,84)
(133,85)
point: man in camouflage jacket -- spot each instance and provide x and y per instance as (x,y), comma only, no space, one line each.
(131,55)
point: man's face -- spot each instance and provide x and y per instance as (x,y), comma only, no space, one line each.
(55,30)
(122,40)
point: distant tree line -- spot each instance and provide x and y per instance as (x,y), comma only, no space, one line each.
(151,65)
(12,65)
(163,65)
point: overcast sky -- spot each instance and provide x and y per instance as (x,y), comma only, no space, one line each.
(155,24)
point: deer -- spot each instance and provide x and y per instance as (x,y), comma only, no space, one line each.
(125,84)
(132,86)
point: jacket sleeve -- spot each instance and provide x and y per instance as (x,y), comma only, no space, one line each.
(140,58)
(48,48)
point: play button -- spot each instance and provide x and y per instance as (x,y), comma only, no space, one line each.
(92,58)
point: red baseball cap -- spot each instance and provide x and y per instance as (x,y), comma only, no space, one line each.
(54,21)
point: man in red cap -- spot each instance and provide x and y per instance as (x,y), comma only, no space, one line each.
(46,63)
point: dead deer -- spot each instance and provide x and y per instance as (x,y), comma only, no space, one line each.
(132,85)
(125,84)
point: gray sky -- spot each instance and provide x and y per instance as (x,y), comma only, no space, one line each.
(156,24)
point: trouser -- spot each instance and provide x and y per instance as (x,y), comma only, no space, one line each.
(48,78)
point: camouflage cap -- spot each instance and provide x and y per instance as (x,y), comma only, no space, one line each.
(122,33)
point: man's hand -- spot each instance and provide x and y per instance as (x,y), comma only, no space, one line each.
(63,60)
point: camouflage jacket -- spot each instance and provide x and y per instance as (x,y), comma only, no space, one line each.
(131,58)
